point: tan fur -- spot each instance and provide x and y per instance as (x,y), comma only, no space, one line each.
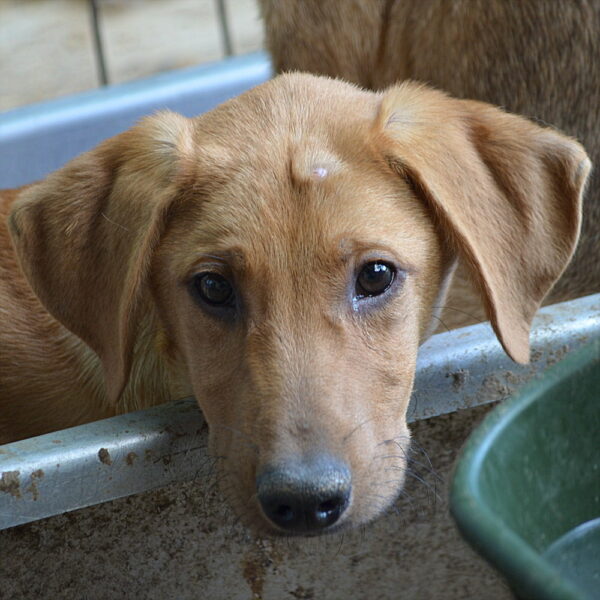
(287,191)
(538,58)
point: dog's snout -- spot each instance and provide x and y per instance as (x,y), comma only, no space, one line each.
(305,496)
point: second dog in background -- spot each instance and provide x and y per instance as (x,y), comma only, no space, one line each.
(537,58)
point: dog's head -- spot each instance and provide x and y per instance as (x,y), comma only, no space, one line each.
(296,244)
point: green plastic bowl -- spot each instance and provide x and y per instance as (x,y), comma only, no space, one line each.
(526,489)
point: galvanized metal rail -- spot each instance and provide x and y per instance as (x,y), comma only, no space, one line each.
(98,43)
(132,453)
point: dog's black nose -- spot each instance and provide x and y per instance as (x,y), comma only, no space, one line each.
(305,496)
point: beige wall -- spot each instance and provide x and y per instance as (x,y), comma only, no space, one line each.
(46,46)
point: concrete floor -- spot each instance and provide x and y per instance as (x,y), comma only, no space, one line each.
(181,543)
(46,47)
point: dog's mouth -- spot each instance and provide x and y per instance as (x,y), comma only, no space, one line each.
(332,529)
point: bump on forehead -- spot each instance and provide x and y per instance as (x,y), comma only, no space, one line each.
(311,164)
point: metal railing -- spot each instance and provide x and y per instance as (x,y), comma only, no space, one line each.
(98,39)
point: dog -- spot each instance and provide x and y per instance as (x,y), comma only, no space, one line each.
(539,59)
(281,258)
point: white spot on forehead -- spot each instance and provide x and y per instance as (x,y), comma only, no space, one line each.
(312,163)
(320,172)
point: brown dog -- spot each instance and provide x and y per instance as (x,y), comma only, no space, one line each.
(281,257)
(536,58)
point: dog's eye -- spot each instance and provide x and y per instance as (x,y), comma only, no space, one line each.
(374,279)
(214,289)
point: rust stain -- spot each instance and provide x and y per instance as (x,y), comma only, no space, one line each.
(262,558)
(459,378)
(557,354)
(302,593)
(174,434)
(254,573)
(10,483)
(515,379)
(33,489)
(104,456)
(130,458)
(535,355)
(494,386)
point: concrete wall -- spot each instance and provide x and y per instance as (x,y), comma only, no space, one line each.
(180,542)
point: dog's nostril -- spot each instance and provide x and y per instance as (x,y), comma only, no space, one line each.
(305,497)
(329,505)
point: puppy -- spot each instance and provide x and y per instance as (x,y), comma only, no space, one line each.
(536,58)
(281,257)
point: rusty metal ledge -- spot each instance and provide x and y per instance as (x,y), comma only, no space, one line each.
(125,455)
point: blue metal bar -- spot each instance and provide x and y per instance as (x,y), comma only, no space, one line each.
(36,140)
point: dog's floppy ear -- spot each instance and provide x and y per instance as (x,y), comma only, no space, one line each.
(85,235)
(507,192)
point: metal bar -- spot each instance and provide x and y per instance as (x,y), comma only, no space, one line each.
(224,26)
(125,455)
(98,45)
(467,367)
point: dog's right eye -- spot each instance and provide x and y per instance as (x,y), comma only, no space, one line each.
(214,290)
(374,279)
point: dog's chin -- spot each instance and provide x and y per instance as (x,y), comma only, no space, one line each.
(260,527)
(274,532)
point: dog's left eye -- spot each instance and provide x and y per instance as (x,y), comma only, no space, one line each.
(214,289)
(374,279)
